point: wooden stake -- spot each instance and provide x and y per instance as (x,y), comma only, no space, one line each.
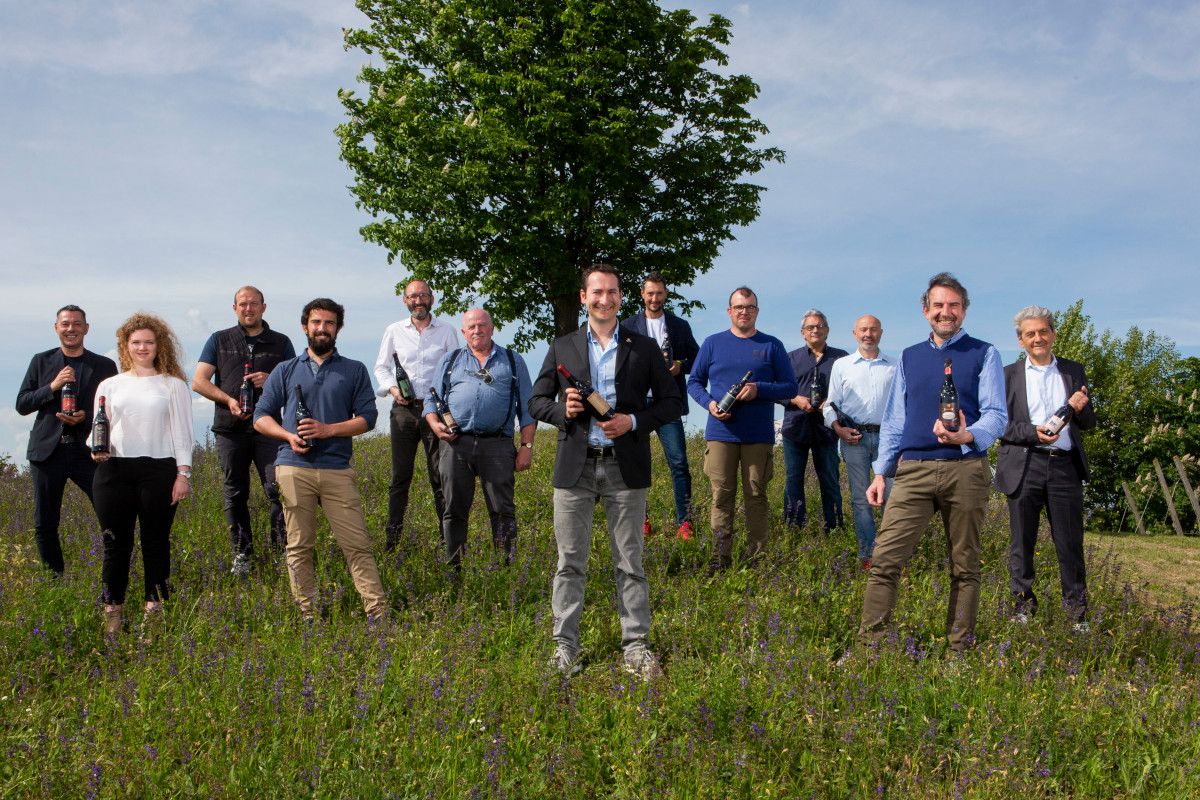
(1162,480)
(1187,487)
(1137,517)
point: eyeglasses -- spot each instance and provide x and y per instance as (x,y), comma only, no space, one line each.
(811,327)
(743,309)
(484,376)
(418,296)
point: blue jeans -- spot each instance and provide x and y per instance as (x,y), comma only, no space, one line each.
(674,445)
(858,458)
(825,462)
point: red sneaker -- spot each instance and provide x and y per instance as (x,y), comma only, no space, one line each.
(685,530)
(647,528)
(866,565)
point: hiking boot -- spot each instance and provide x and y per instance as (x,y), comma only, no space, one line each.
(241,565)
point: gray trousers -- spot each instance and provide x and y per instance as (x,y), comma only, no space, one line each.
(492,460)
(625,510)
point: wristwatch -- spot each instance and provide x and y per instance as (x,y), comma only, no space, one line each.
(527,444)
(186,474)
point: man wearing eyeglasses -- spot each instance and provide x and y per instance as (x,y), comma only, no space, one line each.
(744,436)
(420,342)
(804,431)
(487,388)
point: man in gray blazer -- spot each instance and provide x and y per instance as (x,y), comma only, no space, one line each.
(1039,469)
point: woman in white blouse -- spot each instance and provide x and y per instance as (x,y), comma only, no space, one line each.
(148,468)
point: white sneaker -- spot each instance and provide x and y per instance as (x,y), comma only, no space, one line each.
(1081,627)
(1021,618)
(642,663)
(564,663)
(241,565)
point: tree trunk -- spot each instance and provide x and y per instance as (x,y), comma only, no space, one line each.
(566,313)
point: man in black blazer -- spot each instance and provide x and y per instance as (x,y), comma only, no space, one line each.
(670,331)
(1038,469)
(603,459)
(58,443)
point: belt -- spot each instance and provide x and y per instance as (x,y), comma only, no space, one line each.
(600,452)
(868,429)
(1051,452)
(496,435)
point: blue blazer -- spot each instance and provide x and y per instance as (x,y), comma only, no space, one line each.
(682,341)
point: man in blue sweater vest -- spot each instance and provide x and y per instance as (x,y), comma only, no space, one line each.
(935,469)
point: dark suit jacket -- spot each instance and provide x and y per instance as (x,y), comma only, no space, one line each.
(35,395)
(682,342)
(1021,433)
(640,370)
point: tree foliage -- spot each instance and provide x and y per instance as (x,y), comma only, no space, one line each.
(503,146)
(1127,376)
(1175,431)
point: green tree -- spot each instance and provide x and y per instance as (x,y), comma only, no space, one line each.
(1127,376)
(1175,431)
(503,146)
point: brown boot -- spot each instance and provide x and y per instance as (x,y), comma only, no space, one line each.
(153,621)
(112,620)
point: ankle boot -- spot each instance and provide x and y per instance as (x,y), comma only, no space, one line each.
(112,620)
(152,622)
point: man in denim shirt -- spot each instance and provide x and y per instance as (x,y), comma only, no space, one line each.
(486,387)
(313,466)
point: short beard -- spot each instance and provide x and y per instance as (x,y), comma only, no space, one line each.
(420,312)
(322,346)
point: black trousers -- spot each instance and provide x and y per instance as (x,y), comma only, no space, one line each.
(492,460)
(236,453)
(131,491)
(410,430)
(1052,483)
(69,461)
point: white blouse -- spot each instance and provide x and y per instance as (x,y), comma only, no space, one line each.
(148,416)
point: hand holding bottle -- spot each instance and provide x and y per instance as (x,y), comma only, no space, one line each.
(574,403)
(1079,399)
(960,435)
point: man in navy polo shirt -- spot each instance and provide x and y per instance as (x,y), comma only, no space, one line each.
(313,465)
(935,469)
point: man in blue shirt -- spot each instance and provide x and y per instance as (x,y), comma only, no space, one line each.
(486,387)
(313,465)
(936,469)
(744,436)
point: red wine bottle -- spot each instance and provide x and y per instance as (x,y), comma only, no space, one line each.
(727,402)
(589,395)
(302,413)
(246,393)
(948,401)
(402,381)
(816,389)
(667,350)
(443,411)
(68,398)
(843,419)
(1059,419)
(100,429)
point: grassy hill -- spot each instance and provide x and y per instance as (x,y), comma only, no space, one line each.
(456,699)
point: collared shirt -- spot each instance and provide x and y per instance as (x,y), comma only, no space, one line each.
(808,427)
(419,351)
(480,407)
(1045,393)
(602,364)
(338,390)
(860,387)
(993,410)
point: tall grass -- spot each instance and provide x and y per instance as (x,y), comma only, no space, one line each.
(455,698)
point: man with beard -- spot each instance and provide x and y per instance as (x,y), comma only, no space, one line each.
(247,351)
(419,342)
(313,465)
(57,451)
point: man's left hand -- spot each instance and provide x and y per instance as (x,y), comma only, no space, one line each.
(311,429)
(960,437)
(523,460)
(1079,399)
(748,392)
(259,378)
(71,419)
(675,368)
(619,425)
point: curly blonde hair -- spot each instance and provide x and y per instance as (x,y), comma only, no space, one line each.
(166,356)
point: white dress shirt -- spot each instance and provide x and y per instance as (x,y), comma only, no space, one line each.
(148,415)
(1045,393)
(860,387)
(419,351)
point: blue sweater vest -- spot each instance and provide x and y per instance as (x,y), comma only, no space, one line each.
(924,371)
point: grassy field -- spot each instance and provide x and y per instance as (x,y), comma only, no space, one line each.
(456,699)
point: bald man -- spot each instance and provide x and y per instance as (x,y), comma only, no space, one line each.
(859,385)
(487,389)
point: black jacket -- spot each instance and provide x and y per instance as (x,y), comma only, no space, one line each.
(35,395)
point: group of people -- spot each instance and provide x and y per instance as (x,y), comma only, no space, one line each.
(605,387)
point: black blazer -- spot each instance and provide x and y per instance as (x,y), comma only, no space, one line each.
(640,371)
(682,342)
(1021,433)
(35,395)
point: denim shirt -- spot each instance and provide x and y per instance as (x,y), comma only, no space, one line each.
(480,407)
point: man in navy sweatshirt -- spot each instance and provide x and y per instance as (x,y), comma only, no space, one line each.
(744,436)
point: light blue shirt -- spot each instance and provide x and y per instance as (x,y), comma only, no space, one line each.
(602,363)
(860,387)
(479,406)
(1045,393)
(993,411)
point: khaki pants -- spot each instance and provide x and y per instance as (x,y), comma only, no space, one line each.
(721,463)
(959,490)
(301,490)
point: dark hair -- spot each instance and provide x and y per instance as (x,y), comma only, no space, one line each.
(946,281)
(746,290)
(599,266)
(71,308)
(654,277)
(323,304)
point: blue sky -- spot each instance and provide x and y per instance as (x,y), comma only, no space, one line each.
(158,155)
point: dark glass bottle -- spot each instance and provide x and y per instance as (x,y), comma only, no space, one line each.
(816,389)
(69,402)
(1059,419)
(443,411)
(667,350)
(100,428)
(842,419)
(246,393)
(402,381)
(302,413)
(948,401)
(727,402)
(589,395)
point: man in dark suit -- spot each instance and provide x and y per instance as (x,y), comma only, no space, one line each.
(673,334)
(58,444)
(1039,469)
(603,459)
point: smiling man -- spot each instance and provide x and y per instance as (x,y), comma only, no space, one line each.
(1044,467)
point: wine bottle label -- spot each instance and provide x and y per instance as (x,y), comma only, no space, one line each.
(448,419)
(1055,424)
(598,403)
